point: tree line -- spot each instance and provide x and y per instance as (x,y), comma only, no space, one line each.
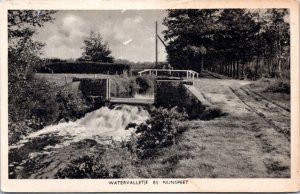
(238,43)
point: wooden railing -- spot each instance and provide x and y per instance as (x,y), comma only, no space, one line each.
(189,74)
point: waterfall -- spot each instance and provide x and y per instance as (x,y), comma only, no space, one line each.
(100,124)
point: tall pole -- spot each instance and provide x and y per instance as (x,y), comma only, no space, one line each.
(156,57)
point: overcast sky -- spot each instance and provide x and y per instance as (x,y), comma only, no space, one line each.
(130,34)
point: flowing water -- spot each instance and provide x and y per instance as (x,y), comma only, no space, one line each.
(98,125)
(144,96)
(56,145)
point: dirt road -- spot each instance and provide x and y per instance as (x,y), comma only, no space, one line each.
(252,140)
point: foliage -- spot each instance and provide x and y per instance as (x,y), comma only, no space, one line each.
(71,104)
(36,104)
(127,86)
(23,51)
(279,86)
(145,83)
(211,113)
(84,167)
(159,131)
(83,67)
(96,50)
(113,161)
(235,42)
(123,86)
(29,100)
(31,106)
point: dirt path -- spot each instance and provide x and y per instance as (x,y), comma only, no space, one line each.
(274,115)
(250,141)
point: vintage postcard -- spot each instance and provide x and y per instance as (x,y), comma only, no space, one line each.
(149,96)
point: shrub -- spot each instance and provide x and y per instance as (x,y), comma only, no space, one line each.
(159,131)
(145,83)
(211,113)
(17,130)
(71,103)
(123,86)
(279,86)
(83,67)
(84,167)
(34,104)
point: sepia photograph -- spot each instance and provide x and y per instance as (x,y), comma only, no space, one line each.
(142,94)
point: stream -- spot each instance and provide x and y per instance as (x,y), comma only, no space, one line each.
(101,126)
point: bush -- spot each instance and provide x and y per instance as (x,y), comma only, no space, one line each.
(123,86)
(84,167)
(71,103)
(159,131)
(279,86)
(211,113)
(84,67)
(145,83)
(127,86)
(34,104)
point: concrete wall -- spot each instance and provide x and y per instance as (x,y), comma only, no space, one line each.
(170,93)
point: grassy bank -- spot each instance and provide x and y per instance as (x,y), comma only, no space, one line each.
(275,89)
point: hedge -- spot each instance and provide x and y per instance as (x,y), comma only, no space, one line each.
(83,67)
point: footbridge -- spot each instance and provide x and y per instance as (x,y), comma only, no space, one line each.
(188,74)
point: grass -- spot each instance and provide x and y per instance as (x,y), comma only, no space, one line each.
(60,79)
(274,89)
(121,85)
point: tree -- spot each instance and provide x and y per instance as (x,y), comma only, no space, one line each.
(27,97)
(189,36)
(233,42)
(96,50)
(277,38)
(23,52)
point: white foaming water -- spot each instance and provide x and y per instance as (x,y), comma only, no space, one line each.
(99,124)
(144,96)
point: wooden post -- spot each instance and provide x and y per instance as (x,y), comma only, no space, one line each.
(66,80)
(107,89)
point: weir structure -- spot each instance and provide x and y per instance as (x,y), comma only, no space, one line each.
(168,92)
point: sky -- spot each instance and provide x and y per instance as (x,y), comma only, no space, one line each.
(130,34)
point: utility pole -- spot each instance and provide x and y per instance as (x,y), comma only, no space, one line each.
(156,57)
